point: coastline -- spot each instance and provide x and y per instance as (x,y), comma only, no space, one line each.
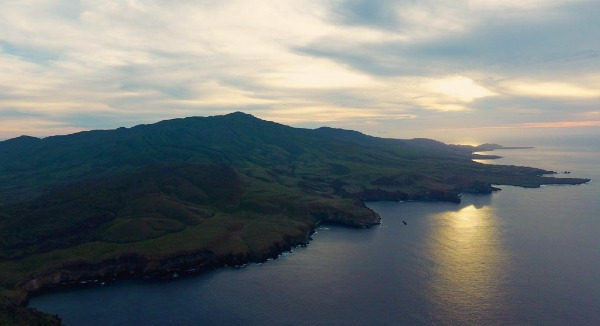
(161,268)
(85,274)
(175,264)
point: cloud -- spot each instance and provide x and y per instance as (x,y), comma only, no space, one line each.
(550,89)
(561,124)
(501,38)
(10,128)
(70,65)
(462,88)
(556,124)
(378,13)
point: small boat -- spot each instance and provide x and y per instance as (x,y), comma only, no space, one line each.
(404,222)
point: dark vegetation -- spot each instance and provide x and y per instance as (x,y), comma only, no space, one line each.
(197,193)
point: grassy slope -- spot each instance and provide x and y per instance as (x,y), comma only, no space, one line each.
(229,189)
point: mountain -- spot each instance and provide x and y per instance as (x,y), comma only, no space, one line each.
(32,166)
(486,148)
(190,194)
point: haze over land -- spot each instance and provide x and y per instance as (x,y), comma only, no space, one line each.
(457,71)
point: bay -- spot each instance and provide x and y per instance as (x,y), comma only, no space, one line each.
(518,256)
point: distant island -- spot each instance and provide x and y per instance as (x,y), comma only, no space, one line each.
(492,147)
(488,147)
(187,195)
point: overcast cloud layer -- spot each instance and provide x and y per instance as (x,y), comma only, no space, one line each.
(456,70)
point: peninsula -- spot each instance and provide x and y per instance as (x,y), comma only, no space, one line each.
(187,195)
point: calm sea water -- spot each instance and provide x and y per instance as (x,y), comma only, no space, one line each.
(519,256)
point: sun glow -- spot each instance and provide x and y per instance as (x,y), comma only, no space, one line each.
(461,88)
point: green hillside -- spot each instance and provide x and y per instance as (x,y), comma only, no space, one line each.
(191,194)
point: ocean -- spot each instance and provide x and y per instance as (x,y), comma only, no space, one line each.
(518,256)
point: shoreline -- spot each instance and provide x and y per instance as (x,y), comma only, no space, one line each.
(167,267)
(84,275)
(174,265)
(187,268)
(204,260)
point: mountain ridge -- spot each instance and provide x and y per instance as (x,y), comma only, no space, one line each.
(224,139)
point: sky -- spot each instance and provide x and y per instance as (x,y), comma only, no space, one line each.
(460,71)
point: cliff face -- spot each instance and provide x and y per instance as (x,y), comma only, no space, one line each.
(357,216)
(139,266)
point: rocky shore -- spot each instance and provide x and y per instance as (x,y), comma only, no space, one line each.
(163,267)
(137,266)
(134,266)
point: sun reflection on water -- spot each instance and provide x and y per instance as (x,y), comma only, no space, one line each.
(469,263)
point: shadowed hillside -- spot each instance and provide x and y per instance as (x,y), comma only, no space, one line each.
(196,193)
(30,166)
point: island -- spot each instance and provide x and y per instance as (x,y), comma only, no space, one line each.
(188,195)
